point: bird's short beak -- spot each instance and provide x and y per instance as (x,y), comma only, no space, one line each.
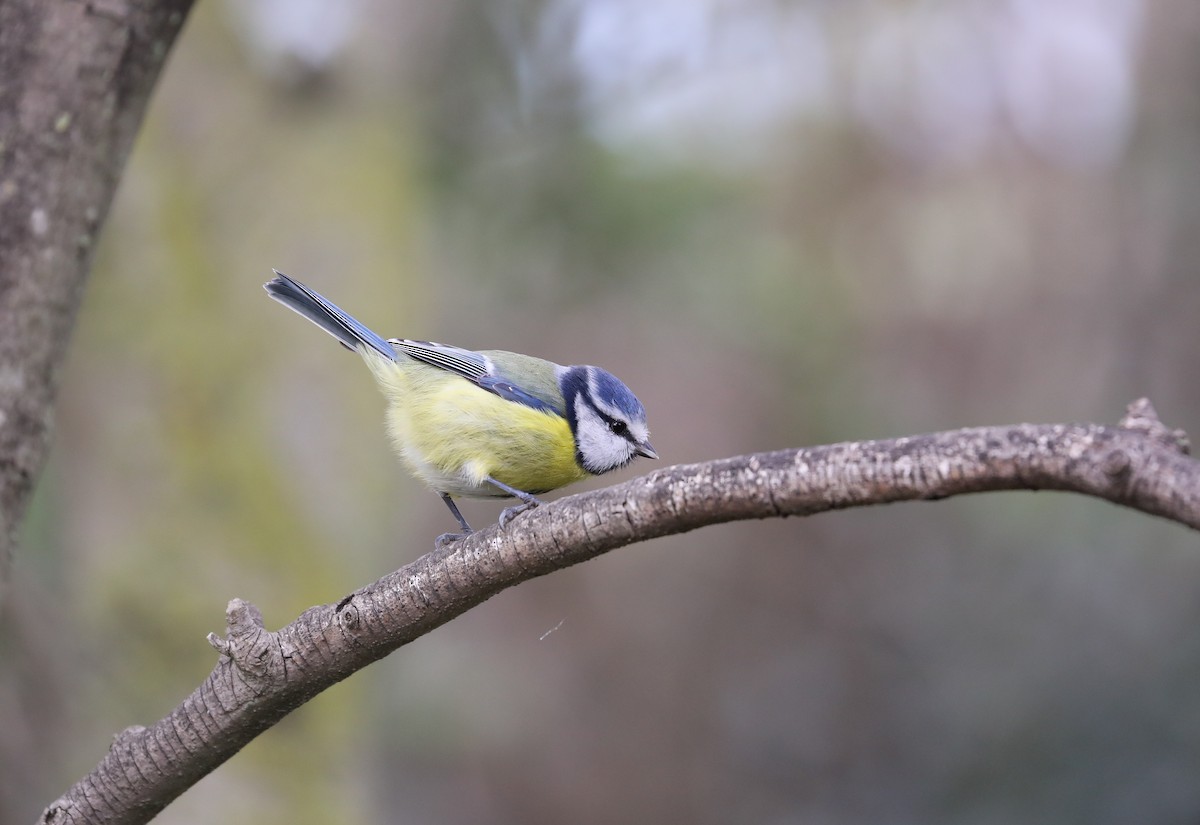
(644,448)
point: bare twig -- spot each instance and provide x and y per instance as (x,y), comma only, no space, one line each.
(262,675)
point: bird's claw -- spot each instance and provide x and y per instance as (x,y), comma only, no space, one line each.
(510,513)
(446,539)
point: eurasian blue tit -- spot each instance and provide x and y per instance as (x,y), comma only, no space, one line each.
(487,423)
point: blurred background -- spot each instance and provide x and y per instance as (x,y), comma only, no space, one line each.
(782,222)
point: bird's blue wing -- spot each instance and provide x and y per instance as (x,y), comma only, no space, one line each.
(510,392)
(473,366)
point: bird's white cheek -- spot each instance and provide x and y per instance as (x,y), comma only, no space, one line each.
(600,448)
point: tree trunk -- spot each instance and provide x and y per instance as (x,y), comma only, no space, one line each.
(74,81)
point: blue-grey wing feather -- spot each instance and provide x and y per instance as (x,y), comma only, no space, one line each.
(510,392)
(530,389)
(467,363)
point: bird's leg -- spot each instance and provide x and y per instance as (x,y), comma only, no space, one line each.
(527,501)
(446,538)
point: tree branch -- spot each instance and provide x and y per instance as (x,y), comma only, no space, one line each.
(262,675)
(74,80)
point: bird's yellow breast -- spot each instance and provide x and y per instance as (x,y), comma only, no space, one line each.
(453,435)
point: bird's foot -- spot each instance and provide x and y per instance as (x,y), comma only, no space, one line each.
(510,513)
(446,539)
(528,502)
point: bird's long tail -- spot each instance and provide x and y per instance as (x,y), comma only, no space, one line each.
(299,298)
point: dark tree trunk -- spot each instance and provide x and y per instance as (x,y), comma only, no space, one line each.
(74,81)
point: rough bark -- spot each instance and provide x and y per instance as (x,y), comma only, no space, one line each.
(74,80)
(261,676)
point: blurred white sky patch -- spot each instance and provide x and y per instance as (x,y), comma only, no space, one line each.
(716,76)
(937,83)
(924,84)
(1068,78)
(282,34)
(728,81)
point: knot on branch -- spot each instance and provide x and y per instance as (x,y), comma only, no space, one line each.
(1117,464)
(253,649)
(348,617)
(61,810)
(1140,416)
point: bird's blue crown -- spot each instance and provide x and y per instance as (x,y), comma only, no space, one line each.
(606,393)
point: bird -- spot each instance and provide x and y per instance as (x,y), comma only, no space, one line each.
(487,423)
